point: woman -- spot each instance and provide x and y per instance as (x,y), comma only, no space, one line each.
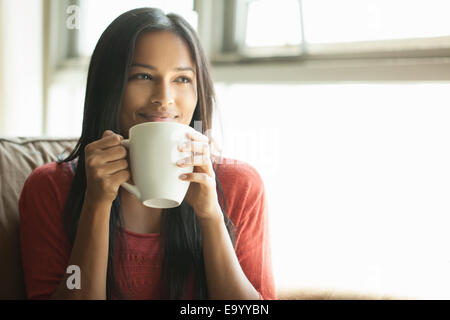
(74,213)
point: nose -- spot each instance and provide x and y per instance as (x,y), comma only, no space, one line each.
(162,95)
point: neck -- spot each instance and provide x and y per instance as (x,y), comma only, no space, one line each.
(137,217)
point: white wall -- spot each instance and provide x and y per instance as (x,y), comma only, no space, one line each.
(21,87)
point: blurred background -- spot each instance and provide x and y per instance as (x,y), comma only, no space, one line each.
(343,107)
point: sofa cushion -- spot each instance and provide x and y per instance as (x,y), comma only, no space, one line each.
(18,158)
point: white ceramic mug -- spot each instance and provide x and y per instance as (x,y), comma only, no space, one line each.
(153,153)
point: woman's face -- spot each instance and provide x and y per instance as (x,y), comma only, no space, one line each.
(161,82)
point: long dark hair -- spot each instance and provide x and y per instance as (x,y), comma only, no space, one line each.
(110,62)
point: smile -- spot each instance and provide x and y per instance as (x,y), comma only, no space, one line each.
(156,119)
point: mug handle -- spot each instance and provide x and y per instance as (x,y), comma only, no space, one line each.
(127,186)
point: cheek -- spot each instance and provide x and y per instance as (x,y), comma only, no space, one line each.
(187,100)
(135,96)
(133,99)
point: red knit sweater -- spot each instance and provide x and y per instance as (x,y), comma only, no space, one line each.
(46,249)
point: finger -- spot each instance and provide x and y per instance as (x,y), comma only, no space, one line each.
(195,147)
(198,177)
(120,177)
(196,160)
(113,167)
(203,164)
(195,135)
(114,153)
(107,133)
(107,141)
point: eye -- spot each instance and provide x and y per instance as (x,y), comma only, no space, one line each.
(142,76)
(184,79)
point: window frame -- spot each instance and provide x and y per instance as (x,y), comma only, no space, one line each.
(411,60)
(241,7)
(227,44)
(414,64)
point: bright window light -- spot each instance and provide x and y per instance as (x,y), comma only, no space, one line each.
(95,16)
(357,178)
(66,104)
(273,23)
(331,21)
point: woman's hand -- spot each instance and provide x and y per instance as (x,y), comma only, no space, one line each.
(106,168)
(201,195)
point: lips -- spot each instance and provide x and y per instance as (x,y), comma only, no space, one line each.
(157,118)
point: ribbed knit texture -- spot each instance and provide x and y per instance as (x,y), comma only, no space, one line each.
(46,249)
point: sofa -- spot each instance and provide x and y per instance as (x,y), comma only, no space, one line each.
(18,157)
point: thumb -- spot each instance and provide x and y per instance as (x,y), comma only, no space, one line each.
(107,133)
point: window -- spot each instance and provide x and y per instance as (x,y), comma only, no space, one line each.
(377,26)
(357,180)
(347,132)
(98,14)
(328,21)
(259,30)
(317,28)
(262,36)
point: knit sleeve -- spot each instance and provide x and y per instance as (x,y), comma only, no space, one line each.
(252,245)
(44,246)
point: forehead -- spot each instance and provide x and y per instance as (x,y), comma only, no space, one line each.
(162,49)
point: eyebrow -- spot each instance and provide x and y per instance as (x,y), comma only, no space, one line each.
(153,68)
